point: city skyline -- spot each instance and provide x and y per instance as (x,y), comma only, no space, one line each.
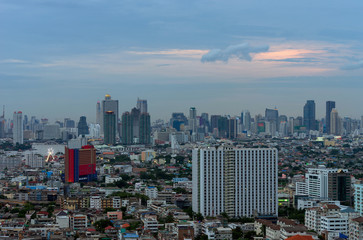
(183,54)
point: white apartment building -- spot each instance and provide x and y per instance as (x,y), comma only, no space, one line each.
(356,229)
(317,181)
(301,188)
(116,202)
(110,179)
(313,215)
(358,198)
(34,160)
(335,223)
(313,202)
(95,202)
(238,181)
(151,192)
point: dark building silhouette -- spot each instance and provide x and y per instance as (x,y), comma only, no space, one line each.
(309,115)
(109,128)
(329,107)
(82,126)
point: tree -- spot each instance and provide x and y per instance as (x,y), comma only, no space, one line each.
(102,224)
(199,217)
(237,233)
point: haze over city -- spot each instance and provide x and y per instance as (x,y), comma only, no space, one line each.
(59,58)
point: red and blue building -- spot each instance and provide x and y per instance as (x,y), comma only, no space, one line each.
(80,164)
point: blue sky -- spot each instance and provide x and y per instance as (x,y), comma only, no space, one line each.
(59,57)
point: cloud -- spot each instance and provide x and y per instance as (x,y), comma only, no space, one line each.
(353,66)
(293,60)
(241,51)
(13,61)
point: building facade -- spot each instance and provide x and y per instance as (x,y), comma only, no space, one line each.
(18,128)
(239,182)
(80,164)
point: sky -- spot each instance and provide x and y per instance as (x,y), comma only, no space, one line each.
(59,57)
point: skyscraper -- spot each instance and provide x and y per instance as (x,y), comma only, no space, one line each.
(247,120)
(110,105)
(272,116)
(142,105)
(192,119)
(145,129)
(309,115)
(109,130)
(127,129)
(98,113)
(18,128)
(335,122)
(329,107)
(82,126)
(2,124)
(80,164)
(136,128)
(237,181)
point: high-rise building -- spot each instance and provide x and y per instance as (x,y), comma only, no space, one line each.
(142,105)
(321,182)
(145,129)
(358,198)
(237,181)
(18,128)
(110,105)
(193,119)
(83,126)
(68,123)
(309,115)
(136,128)
(232,128)
(329,107)
(80,164)
(127,129)
(2,124)
(178,121)
(339,187)
(98,113)
(272,116)
(109,119)
(335,122)
(247,120)
(214,121)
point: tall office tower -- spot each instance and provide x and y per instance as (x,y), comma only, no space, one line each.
(223,127)
(339,187)
(247,121)
(80,164)
(145,129)
(309,115)
(68,123)
(2,124)
(136,128)
(329,107)
(18,128)
(109,119)
(291,126)
(334,122)
(232,128)
(25,122)
(127,129)
(204,122)
(272,115)
(178,121)
(237,181)
(142,105)
(98,113)
(110,105)
(214,121)
(192,121)
(83,126)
